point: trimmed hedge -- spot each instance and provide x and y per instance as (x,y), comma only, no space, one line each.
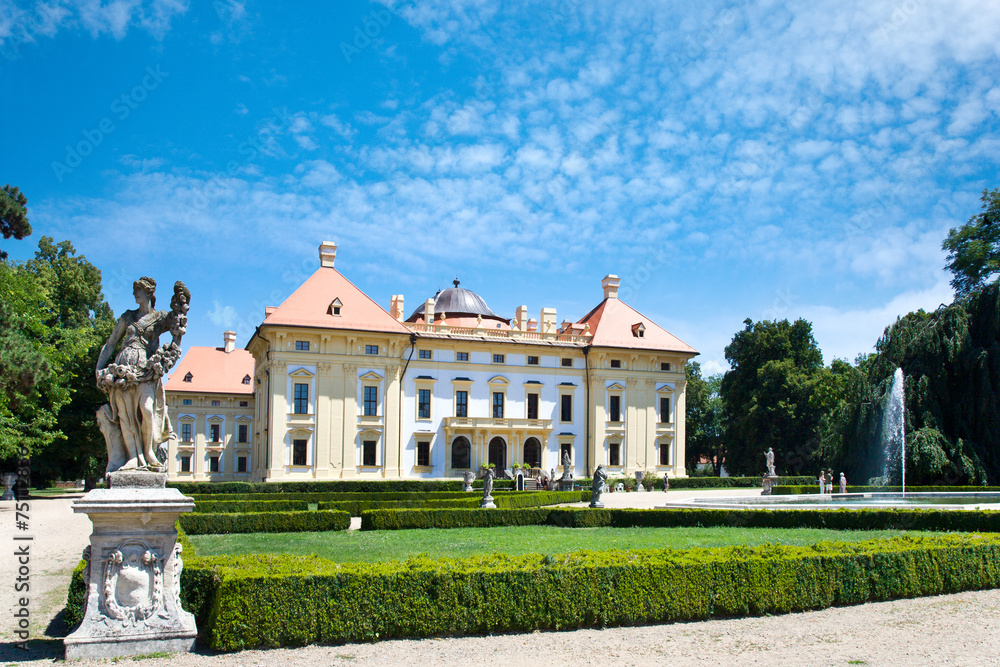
(814,489)
(226,506)
(844,519)
(273,601)
(264,522)
(469,517)
(728,482)
(345,496)
(330,486)
(504,501)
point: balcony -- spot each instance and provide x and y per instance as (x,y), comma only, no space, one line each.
(497,424)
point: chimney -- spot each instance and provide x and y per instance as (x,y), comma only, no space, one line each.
(548,320)
(532,324)
(396,307)
(566,326)
(521,317)
(610,284)
(268,310)
(230,338)
(429,311)
(327,253)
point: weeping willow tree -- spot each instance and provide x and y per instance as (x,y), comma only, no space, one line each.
(951,363)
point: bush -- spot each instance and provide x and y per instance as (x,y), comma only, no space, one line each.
(730,482)
(226,506)
(814,488)
(331,486)
(272,601)
(342,496)
(844,519)
(434,517)
(264,522)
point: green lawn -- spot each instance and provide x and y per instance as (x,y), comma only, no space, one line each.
(387,545)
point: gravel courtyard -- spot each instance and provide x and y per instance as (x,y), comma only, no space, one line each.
(962,629)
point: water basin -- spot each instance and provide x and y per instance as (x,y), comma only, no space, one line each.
(985,500)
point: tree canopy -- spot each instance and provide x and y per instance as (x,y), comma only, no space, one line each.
(13,215)
(974,248)
(703,421)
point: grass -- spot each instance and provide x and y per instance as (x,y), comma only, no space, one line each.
(389,545)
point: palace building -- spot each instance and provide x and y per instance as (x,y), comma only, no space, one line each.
(341,388)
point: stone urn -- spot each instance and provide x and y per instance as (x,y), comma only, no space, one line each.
(9,479)
(639,474)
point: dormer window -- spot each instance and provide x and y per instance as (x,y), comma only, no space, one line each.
(334,308)
(188,377)
(246,379)
(639,330)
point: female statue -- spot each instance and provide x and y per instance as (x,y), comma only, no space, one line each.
(134,421)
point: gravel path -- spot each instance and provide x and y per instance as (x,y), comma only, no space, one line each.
(962,629)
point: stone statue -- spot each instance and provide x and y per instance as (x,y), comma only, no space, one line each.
(469,477)
(566,461)
(597,486)
(769,457)
(135,421)
(843,483)
(487,501)
(822,481)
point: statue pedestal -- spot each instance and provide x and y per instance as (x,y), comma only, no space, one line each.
(487,503)
(133,571)
(768,481)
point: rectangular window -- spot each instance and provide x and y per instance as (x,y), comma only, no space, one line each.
(461,356)
(215,432)
(213,464)
(532,361)
(371,401)
(566,408)
(423,453)
(216,404)
(371,349)
(424,354)
(301,406)
(299,448)
(614,454)
(186,401)
(532,406)
(241,464)
(242,433)
(185,464)
(424,404)
(664,366)
(461,404)
(567,362)
(665,409)
(244,404)
(614,408)
(368,452)
(664,454)
(497,405)
(616,363)
(185,432)
(498,358)
(302,346)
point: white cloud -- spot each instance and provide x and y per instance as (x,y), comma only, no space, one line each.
(223,315)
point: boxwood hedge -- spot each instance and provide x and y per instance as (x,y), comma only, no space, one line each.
(342,495)
(843,519)
(501,500)
(264,522)
(272,601)
(223,506)
(337,485)
(814,488)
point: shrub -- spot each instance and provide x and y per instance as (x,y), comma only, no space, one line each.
(814,488)
(430,517)
(264,522)
(339,496)
(355,485)
(272,601)
(225,506)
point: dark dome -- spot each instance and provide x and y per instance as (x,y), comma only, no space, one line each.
(456,301)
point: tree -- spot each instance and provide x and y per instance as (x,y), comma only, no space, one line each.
(13,215)
(974,248)
(766,397)
(703,421)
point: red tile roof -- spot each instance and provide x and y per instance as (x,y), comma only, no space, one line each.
(308,306)
(213,371)
(611,324)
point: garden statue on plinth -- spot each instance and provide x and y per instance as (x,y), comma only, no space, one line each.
(597,486)
(843,483)
(469,477)
(770,478)
(132,604)
(9,480)
(566,481)
(639,474)
(487,501)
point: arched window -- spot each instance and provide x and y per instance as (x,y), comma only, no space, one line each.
(533,452)
(461,453)
(498,453)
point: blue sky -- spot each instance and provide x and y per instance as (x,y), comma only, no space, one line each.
(727,160)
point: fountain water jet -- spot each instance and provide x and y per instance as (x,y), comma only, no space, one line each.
(895,426)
